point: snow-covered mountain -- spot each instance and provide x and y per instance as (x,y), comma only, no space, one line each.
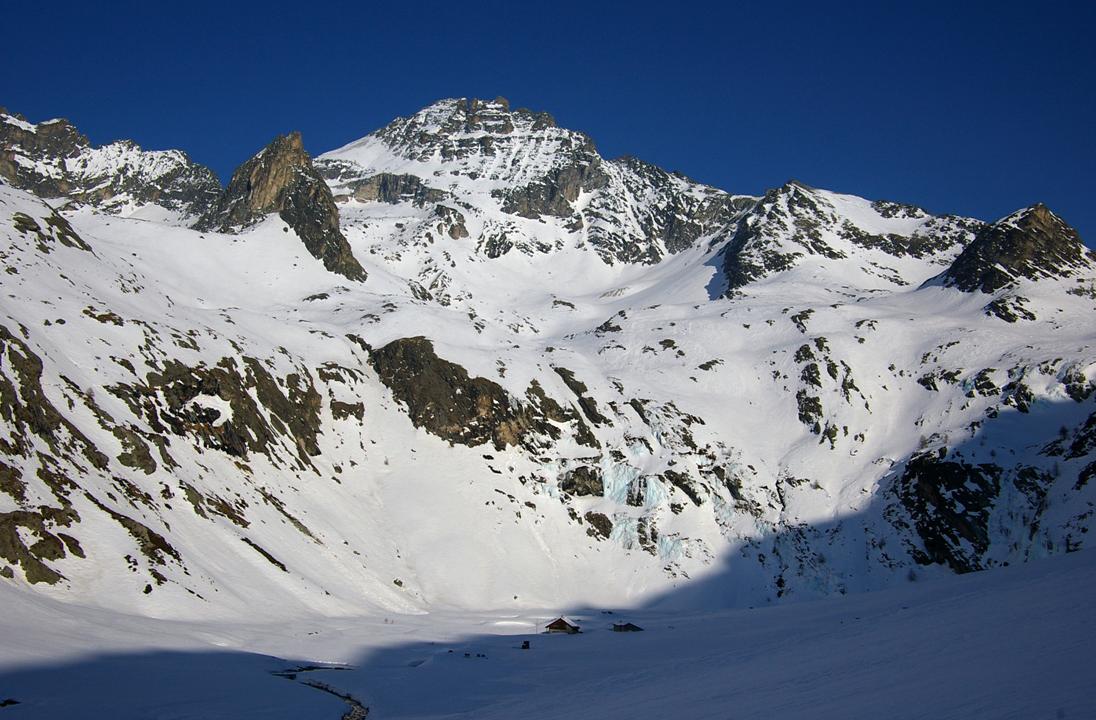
(484,367)
(53,160)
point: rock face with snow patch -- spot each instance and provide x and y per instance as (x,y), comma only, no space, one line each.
(281,179)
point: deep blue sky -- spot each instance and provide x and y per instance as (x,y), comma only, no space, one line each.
(972,108)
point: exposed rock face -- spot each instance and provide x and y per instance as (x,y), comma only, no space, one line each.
(555,193)
(444,400)
(52,159)
(950,503)
(583,480)
(382,187)
(56,231)
(600,525)
(1032,243)
(671,211)
(33,421)
(281,179)
(969,516)
(461,128)
(790,222)
(170,402)
(585,402)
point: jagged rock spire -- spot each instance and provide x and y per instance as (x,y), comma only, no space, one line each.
(281,179)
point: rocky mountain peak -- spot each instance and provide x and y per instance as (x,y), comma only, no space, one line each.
(189,411)
(475,134)
(1032,243)
(259,187)
(281,179)
(26,149)
(501,168)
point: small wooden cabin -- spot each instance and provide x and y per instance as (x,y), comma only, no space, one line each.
(626,627)
(561,625)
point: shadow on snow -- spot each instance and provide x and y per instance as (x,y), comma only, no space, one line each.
(490,675)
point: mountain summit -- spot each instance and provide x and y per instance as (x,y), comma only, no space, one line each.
(527,185)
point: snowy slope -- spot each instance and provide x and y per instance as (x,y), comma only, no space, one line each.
(602,411)
(1008,643)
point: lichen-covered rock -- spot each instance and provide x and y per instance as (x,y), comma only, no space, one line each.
(282,180)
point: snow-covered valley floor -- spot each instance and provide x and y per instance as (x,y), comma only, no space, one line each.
(1009,643)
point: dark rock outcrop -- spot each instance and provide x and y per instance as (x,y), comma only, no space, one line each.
(263,413)
(600,526)
(443,399)
(1031,244)
(586,403)
(582,480)
(282,180)
(57,231)
(950,503)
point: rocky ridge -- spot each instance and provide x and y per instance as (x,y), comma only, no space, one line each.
(53,159)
